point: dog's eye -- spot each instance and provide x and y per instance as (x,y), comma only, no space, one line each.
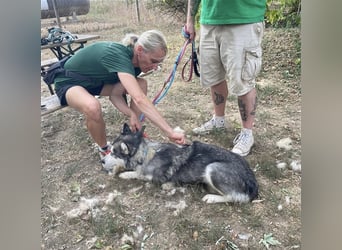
(124,148)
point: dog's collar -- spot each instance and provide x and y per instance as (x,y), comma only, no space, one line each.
(148,150)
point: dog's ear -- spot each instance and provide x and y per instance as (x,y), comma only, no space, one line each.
(143,129)
(140,133)
(124,148)
(126,130)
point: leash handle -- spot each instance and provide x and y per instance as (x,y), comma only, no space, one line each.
(193,56)
(193,60)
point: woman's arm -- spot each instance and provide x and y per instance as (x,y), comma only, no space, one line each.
(119,102)
(143,85)
(146,106)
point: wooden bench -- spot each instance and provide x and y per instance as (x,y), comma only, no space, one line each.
(49,104)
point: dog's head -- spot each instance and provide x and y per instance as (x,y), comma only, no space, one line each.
(126,145)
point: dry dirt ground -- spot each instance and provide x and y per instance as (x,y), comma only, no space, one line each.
(84,208)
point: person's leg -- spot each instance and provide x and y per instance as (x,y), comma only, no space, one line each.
(247,106)
(143,84)
(78,98)
(219,95)
(243,66)
(244,141)
(81,100)
(212,74)
(117,96)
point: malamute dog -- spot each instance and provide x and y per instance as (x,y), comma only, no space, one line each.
(227,174)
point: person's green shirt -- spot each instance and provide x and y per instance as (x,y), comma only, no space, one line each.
(216,12)
(100,61)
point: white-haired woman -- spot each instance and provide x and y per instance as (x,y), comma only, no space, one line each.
(112,69)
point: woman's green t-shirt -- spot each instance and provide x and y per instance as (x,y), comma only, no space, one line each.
(100,61)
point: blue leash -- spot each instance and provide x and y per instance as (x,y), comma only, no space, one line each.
(169,81)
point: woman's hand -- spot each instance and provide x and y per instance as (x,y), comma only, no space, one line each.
(134,122)
(147,108)
(177,137)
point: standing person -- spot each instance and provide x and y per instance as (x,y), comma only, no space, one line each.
(112,70)
(230,48)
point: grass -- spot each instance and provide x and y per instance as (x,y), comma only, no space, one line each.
(269,170)
(70,171)
(196,234)
(107,225)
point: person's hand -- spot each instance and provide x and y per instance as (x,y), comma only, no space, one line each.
(177,137)
(190,30)
(134,122)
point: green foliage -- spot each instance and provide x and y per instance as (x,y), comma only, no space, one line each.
(283,13)
(269,240)
(279,13)
(175,8)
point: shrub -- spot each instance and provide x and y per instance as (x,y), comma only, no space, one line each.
(279,13)
(283,13)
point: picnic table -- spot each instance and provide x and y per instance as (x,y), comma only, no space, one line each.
(60,50)
(65,48)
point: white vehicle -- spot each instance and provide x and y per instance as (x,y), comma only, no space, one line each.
(65,8)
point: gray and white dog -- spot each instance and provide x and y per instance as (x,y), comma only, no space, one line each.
(226,174)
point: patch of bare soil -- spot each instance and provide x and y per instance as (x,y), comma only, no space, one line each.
(84,208)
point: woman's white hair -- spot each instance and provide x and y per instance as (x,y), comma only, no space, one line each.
(150,40)
(130,39)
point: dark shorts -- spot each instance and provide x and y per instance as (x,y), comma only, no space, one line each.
(62,91)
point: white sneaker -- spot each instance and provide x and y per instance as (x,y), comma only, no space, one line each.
(243,142)
(107,160)
(209,126)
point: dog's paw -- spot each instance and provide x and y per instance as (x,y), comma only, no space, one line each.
(128,175)
(118,169)
(213,198)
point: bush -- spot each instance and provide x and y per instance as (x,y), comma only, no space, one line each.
(279,13)
(283,13)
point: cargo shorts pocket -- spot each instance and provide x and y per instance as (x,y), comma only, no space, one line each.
(252,63)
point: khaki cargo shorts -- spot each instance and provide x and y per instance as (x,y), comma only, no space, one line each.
(231,52)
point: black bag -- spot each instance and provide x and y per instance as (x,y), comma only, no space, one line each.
(49,74)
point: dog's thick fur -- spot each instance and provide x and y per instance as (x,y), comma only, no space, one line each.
(225,173)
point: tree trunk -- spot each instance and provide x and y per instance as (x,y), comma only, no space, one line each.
(56,13)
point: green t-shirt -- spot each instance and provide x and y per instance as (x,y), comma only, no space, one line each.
(100,61)
(215,12)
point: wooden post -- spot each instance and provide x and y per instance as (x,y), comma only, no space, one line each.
(56,13)
(138,11)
